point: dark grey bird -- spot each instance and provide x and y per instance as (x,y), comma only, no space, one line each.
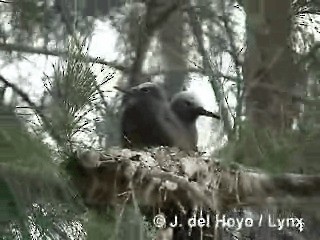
(188,108)
(148,120)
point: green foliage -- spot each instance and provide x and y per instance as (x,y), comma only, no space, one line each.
(100,224)
(71,94)
(28,176)
(34,189)
(29,13)
(75,81)
(18,147)
(35,199)
(42,20)
(29,20)
(130,224)
(263,149)
(123,222)
(10,206)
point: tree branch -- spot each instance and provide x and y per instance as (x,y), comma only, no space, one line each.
(57,53)
(198,34)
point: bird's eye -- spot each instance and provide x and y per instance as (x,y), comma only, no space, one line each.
(146,90)
(188,103)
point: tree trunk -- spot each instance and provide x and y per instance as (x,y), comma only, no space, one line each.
(271,76)
(173,52)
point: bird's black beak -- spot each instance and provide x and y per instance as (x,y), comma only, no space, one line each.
(123,90)
(203,112)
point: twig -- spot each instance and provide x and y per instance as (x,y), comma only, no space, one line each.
(183,183)
(238,65)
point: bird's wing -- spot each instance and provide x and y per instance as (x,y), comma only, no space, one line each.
(177,133)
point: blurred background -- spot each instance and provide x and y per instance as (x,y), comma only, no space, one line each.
(254,62)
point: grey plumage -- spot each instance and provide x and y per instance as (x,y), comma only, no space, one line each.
(188,108)
(148,120)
